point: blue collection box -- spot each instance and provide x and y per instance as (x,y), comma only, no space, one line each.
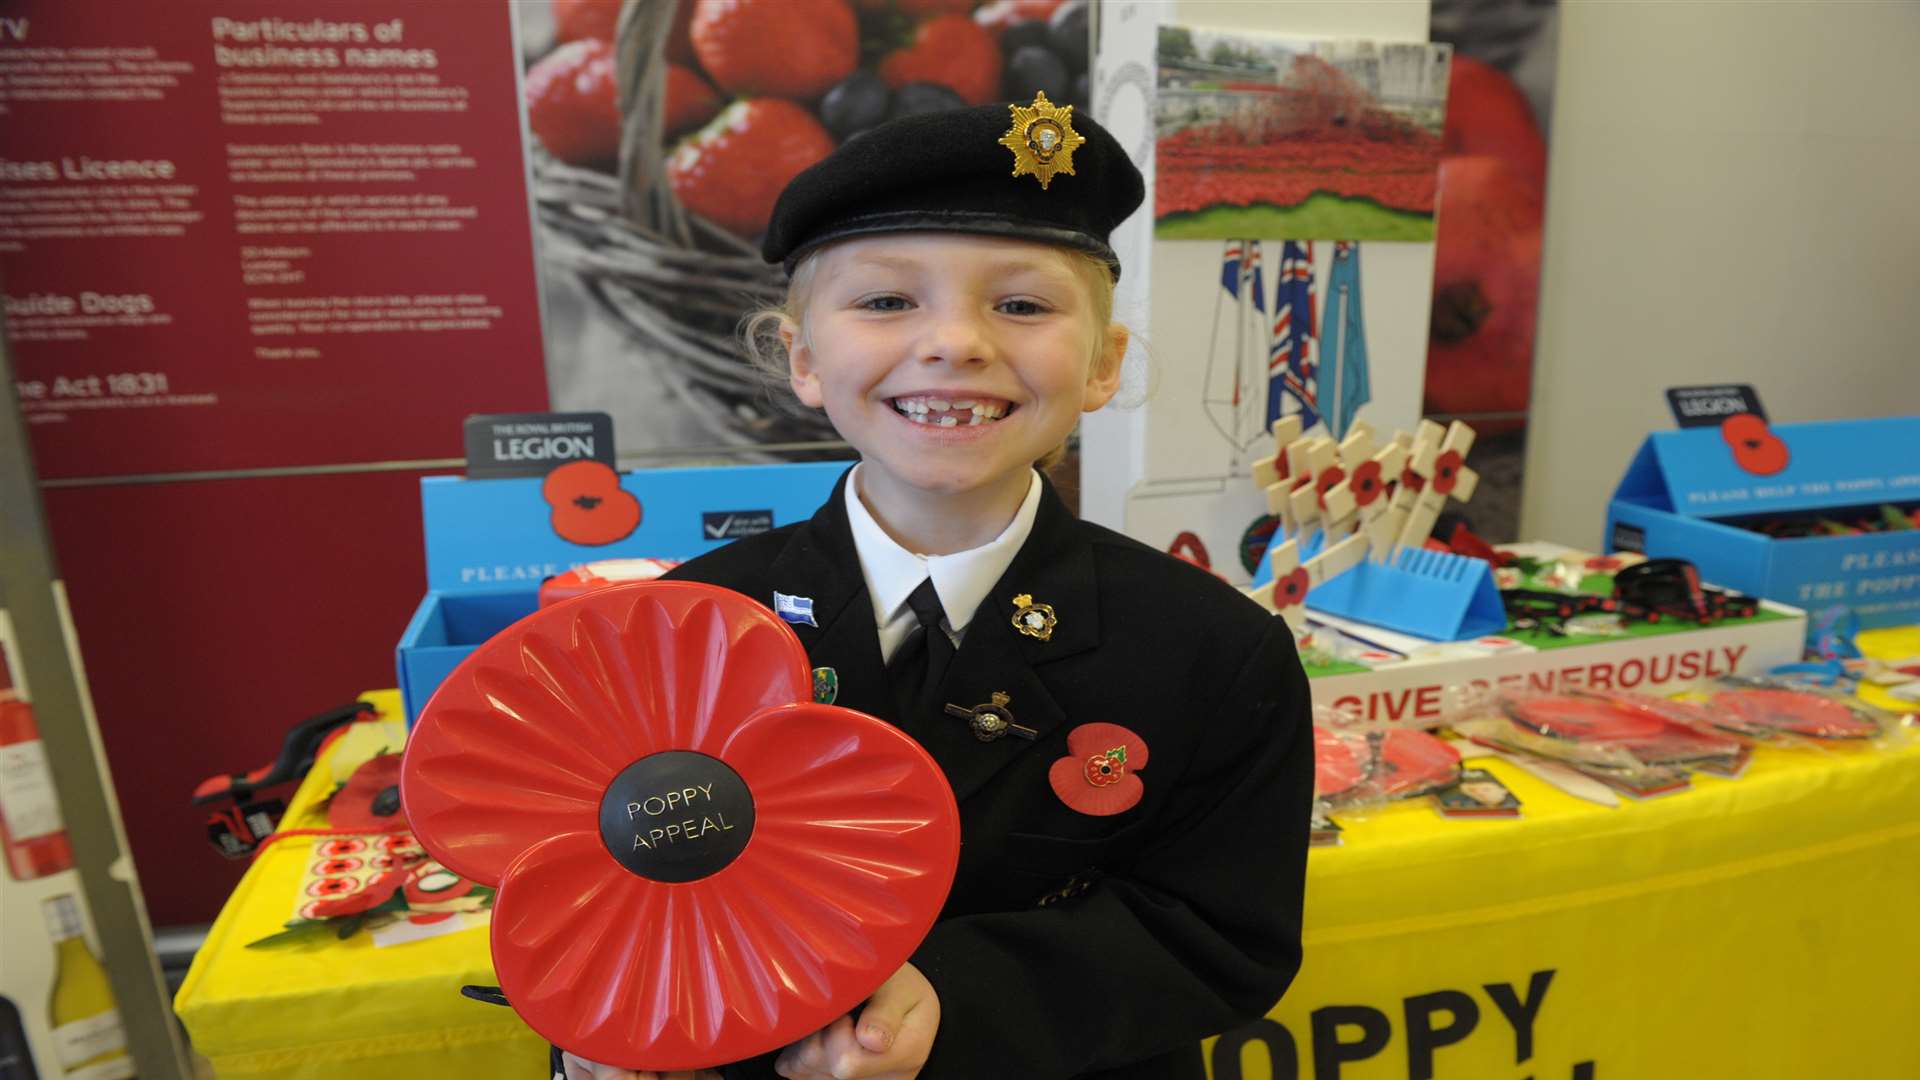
(1685,496)
(490,543)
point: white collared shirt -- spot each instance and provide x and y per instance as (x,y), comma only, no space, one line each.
(962,579)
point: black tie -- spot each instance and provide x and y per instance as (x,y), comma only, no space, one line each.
(921,661)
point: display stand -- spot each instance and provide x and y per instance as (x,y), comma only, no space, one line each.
(1429,594)
(1687,492)
(1432,594)
(490,543)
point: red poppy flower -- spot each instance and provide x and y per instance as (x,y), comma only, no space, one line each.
(378,890)
(1291,589)
(1365,485)
(1446,471)
(332,886)
(588,504)
(1412,480)
(696,864)
(1098,775)
(370,801)
(1325,482)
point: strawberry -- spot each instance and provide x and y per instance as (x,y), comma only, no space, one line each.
(789,48)
(731,171)
(953,51)
(573,105)
(690,101)
(577,19)
(680,35)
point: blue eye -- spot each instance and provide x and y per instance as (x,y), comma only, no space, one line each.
(1023,307)
(884,303)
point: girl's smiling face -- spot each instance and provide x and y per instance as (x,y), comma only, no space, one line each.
(951,362)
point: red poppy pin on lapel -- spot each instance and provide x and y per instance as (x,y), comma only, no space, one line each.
(1098,775)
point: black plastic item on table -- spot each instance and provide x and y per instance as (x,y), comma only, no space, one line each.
(1673,587)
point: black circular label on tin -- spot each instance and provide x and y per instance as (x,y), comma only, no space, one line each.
(676,816)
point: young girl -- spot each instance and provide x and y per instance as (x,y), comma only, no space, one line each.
(1127,736)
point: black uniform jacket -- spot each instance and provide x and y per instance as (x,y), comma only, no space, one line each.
(1074,945)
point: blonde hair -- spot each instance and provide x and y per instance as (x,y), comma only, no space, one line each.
(760,329)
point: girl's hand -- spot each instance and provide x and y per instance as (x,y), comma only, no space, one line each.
(582,1069)
(891,1040)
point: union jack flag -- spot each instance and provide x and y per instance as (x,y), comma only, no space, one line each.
(1293,379)
(1240,269)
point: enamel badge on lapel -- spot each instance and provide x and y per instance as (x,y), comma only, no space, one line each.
(794,609)
(1042,139)
(826,685)
(1099,775)
(992,720)
(1033,620)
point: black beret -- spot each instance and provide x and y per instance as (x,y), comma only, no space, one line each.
(954,171)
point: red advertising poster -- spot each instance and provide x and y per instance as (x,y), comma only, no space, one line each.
(240,235)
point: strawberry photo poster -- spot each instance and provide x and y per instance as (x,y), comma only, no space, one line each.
(661,133)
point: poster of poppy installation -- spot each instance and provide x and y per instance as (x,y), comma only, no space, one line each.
(1306,140)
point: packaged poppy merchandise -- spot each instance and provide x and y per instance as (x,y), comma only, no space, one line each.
(1622,740)
(642,774)
(1787,712)
(366,873)
(1359,764)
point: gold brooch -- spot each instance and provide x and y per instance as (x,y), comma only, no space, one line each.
(1042,139)
(1034,620)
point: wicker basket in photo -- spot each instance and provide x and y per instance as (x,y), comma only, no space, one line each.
(677,283)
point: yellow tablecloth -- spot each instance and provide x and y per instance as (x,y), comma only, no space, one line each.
(1762,927)
(330,1009)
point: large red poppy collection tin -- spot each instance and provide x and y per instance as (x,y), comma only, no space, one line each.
(696,864)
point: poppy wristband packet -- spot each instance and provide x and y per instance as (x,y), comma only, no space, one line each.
(1359,764)
(1788,711)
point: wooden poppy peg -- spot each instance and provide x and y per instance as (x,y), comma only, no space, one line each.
(1359,499)
(1296,468)
(1286,594)
(1442,474)
(1319,470)
(1269,471)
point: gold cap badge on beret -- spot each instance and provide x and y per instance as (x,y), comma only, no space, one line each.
(1042,139)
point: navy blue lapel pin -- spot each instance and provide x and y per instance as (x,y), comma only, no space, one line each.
(991,721)
(794,609)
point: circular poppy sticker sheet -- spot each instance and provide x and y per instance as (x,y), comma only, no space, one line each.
(696,863)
